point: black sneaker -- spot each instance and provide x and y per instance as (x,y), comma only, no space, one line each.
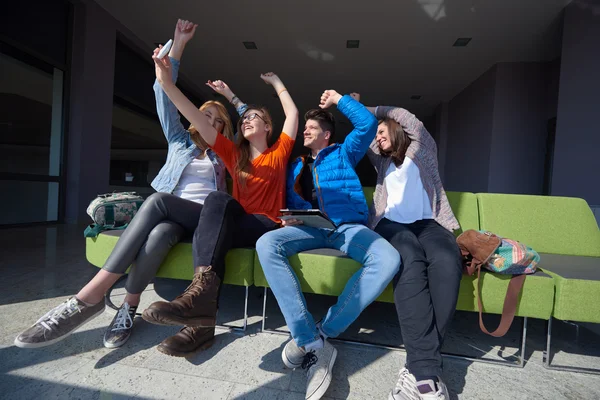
(120,328)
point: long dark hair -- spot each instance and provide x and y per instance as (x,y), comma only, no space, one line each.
(398,139)
(242,165)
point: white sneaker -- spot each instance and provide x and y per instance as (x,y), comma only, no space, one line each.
(437,391)
(319,366)
(406,387)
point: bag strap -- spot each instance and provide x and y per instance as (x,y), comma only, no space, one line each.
(510,304)
(92,230)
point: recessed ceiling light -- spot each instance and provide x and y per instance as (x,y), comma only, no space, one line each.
(352,44)
(415,97)
(462,42)
(250,46)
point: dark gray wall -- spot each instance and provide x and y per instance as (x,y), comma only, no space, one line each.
(470,123)
(519,132)
(576,161)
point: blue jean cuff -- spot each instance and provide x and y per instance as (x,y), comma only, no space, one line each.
(302,343)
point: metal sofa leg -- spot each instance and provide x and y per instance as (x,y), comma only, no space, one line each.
(519,364)
(547,357)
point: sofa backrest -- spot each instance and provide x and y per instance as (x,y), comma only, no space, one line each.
(549,224)
(464,206)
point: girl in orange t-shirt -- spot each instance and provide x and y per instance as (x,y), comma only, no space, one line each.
(227,222)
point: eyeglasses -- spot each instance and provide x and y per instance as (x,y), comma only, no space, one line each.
(250,117)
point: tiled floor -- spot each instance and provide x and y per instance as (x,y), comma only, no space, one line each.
(42,266)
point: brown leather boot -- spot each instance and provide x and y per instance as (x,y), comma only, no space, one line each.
(196,306)
(188,341)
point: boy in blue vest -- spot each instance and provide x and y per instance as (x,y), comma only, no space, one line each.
(326,180)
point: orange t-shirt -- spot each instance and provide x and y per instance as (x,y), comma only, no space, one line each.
(264,189)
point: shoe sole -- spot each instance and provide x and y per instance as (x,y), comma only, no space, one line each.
(156,317)
(174,353)
(320,392)
(24,345)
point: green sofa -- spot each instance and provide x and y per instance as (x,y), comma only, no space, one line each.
(564,230)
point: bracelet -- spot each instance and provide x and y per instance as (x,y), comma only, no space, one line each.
(283,90)
(233,99)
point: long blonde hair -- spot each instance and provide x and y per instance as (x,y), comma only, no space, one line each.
(227,125)
(242,165)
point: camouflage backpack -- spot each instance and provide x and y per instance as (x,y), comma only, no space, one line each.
(112,211)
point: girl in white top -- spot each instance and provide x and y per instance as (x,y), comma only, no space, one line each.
(426,288)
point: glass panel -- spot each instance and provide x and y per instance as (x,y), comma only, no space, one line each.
(30,118)
(26,202)
(138,149)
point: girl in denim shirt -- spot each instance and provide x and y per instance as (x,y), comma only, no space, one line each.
(191,172)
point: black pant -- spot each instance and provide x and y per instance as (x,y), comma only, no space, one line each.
(425,289)
(225,225)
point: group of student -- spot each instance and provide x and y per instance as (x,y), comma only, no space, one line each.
(405,236)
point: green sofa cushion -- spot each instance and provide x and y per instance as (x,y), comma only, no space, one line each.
(577,283)
(178,264)
(556,225)
(326,271)
(535,300)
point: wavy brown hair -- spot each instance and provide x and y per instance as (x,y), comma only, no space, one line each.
(227,125)
(398,139)
(242,165)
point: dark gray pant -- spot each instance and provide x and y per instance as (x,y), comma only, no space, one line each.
(425,289)
(160,223)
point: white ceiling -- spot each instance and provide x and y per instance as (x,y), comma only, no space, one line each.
(405,45)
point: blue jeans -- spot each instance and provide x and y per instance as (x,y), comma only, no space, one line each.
(379,259)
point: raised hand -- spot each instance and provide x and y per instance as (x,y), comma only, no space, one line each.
(328,98)
(355,96)
(220,87)
(162,68)
(184,31)
(270,78)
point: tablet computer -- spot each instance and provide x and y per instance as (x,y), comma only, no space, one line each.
(312,217)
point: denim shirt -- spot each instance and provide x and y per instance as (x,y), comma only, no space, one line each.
(181,150)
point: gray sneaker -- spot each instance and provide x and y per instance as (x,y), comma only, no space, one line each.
(319,365)
(120,328)
(292,355)
(58,323)
(406,387)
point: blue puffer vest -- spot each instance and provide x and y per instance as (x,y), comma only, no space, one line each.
(338,188)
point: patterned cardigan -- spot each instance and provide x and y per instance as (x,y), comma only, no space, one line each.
(423,152)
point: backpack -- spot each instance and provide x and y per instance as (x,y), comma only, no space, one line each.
(112,211)
(504,256)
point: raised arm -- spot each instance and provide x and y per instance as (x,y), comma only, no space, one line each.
(184,32)
(413,127)
(166,110)
(365,125)
(373,151)
(184,105)
(223,89)
(290,126)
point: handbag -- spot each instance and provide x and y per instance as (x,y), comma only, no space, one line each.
(112,211)
(482,249)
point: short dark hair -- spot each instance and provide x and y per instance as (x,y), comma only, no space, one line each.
(324,118)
